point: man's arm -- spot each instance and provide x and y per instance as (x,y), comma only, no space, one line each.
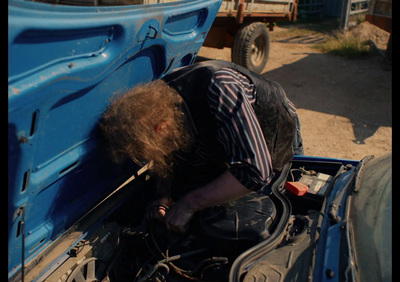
(221,190)
(230,97)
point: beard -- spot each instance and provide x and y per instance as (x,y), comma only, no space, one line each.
(161,149)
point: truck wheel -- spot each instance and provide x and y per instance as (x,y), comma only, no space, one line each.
(251,47)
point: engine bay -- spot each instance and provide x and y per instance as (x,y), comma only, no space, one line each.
(216,236)
(258,235)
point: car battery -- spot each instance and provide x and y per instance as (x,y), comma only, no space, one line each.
(316,184)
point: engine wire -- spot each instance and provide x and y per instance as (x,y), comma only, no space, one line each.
(303,172)
(167,259)
(180,271)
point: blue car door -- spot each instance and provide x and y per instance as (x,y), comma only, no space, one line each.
(65,63)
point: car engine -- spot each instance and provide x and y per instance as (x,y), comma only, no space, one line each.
(216,236)
(269,233)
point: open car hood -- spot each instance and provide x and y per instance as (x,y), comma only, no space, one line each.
(65,62)
(69,207)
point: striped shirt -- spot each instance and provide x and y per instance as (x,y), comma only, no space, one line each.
(230,97)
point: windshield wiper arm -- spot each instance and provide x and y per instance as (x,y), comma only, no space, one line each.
(335,204)
(333,211)
(334,208)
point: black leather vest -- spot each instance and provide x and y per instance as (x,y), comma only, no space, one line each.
(276,118)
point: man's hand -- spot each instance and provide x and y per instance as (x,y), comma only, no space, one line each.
(174,215)
(179,215)
(158,208)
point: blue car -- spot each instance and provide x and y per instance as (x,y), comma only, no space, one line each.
(74,215)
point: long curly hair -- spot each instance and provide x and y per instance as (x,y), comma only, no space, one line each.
(130,123)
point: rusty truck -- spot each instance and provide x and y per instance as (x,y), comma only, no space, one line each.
(244,26)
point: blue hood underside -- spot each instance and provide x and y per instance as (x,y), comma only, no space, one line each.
(65,63)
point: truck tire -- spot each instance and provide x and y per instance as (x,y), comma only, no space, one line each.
(251,47)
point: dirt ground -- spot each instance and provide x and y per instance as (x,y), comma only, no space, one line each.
(344,105)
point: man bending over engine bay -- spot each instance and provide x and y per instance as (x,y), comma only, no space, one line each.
(214,132)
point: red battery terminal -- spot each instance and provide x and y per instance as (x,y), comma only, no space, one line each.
(297,188)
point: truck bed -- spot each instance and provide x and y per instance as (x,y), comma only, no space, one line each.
(258,8)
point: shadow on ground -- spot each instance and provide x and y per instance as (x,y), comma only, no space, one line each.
(360,89)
